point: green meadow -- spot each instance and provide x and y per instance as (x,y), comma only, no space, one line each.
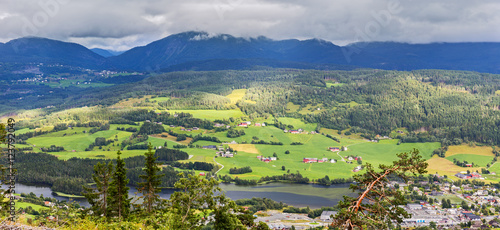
(298,124)
(477,159)
(211,114)
(74,140)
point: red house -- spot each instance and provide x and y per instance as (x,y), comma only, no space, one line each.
(310,160)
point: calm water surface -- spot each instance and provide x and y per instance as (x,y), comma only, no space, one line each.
(298,195)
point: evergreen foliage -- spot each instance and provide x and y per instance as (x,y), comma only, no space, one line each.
(151,180)
(119,203)
(98,197)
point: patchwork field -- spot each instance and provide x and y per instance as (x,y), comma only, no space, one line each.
(76,139)
(466,149)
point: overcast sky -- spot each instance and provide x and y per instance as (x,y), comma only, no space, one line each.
(122,24)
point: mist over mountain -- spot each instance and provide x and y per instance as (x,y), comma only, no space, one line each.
(202,51)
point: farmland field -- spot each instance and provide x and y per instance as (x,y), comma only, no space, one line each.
(470,158)
(466,149)
(297,124)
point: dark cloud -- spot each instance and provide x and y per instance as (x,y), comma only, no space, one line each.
(121,24)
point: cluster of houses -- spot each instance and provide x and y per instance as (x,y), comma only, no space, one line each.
(158,123)
(221,152)
(316,160)
(189,130)
(295,131)
(337,149)
(248,123)
(218,125)
(473,175)
(244,124)
(267,159)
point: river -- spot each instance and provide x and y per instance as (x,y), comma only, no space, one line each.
(298,195)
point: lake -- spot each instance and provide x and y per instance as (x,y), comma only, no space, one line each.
(298,195)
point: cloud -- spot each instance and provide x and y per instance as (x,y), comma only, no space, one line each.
(122,24)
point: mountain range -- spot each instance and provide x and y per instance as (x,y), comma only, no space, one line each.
(201,51)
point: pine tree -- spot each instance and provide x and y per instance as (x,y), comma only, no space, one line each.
(119,203)
(381,207)
(98,196)
(149,188)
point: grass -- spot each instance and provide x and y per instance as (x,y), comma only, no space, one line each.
(172,139)
(311,109)
(212,114)
(159,99)
(385,151)
(466,149)
(350,104)
(344,140)
(75,139)
(298,124)
(394,133)
(36,207)
(453,199)
(237,95)
(292,108)
(316,146)
(495,168)
(480,160)
(497,92)
(330,84)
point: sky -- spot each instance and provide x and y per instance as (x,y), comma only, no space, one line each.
(123,24)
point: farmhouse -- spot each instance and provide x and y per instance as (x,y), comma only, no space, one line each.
(357,169)
(473,175)
(310,160)
(258,124)
(218,125)
(267,159)
(333,149)
(244,124)
(294,131)
(210,147)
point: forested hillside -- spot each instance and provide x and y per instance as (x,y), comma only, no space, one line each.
(434,105)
